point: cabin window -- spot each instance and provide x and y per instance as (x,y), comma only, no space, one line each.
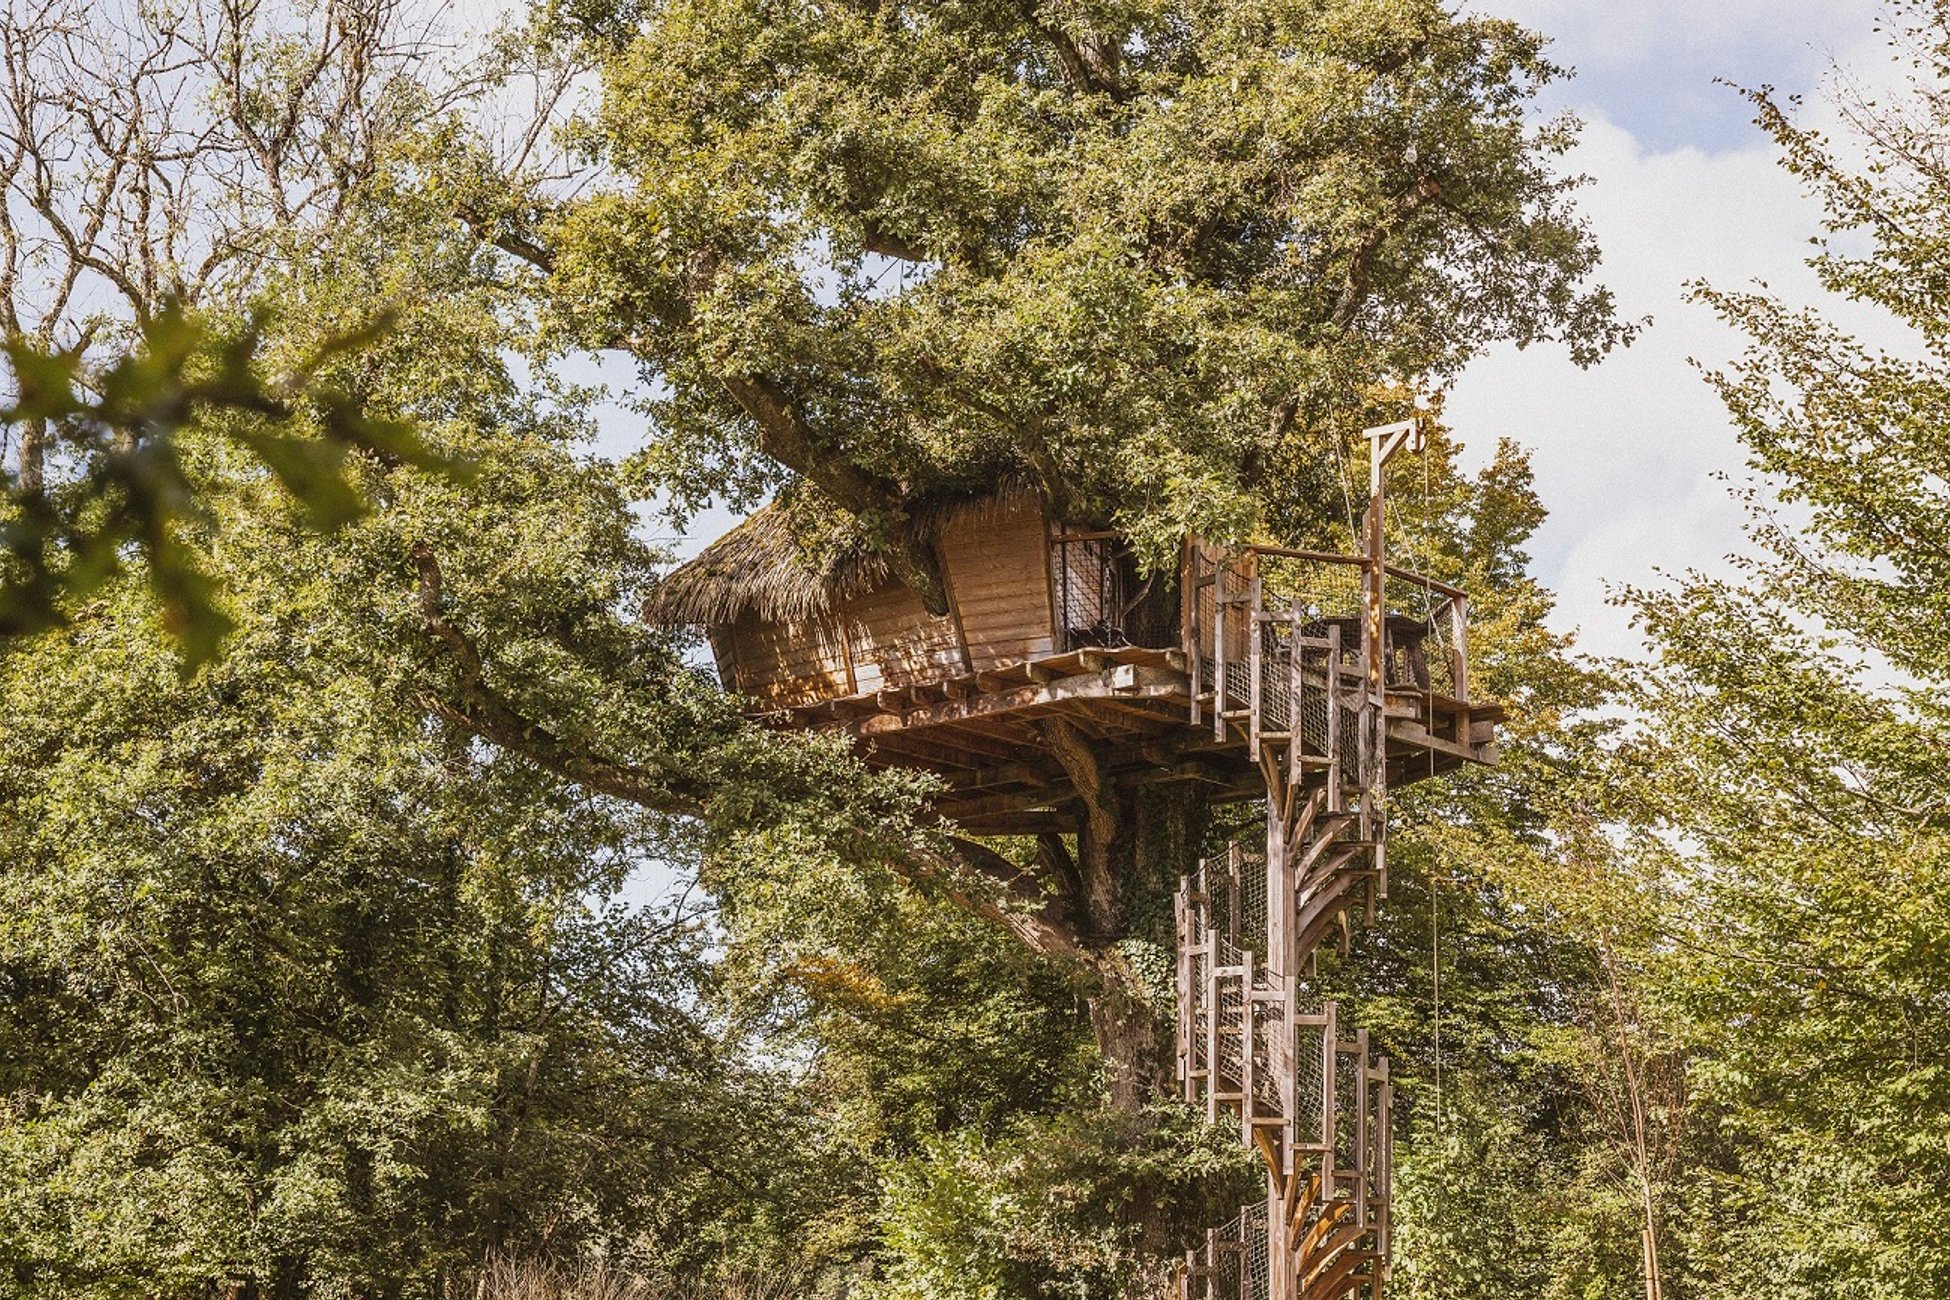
(1101,600)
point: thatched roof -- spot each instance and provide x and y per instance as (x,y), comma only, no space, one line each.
(762,566)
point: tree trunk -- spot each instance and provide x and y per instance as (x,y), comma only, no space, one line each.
(1133,1037)
(1140,840)
(33,457)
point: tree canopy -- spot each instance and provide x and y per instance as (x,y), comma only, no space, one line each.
(1149,257)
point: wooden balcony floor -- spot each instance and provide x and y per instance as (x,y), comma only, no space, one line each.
(984,734)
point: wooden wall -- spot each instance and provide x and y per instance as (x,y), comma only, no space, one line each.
(896,642)
(998,576)
(784,663)
(995,561)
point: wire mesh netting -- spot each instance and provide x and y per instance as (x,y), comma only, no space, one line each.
(1258,1266)
(1234,1263)
(1310,1103)
(1347,1113)
(1230,1012)
(1271,1053)
(1233,901)
(1422,628)
(1102,601)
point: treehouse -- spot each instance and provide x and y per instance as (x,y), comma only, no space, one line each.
(1166,673)
(1313,680)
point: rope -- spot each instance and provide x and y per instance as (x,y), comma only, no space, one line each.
(1347,493)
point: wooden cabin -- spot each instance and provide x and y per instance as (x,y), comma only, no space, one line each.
(1051,619)
(1021,586)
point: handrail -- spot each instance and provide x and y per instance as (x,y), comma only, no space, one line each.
(1423,580)
(1312,557)
(1359,562)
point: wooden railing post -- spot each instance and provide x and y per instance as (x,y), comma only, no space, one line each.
(1212,1005)
(1254,667)
(1195,636)
(1219,650)
(1296,710)
(1182,918)
(1335,777)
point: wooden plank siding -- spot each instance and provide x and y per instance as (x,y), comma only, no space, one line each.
(998,568)
(895,641)
(786,663)
(996,571)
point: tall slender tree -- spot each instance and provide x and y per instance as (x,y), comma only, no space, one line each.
(1789,779)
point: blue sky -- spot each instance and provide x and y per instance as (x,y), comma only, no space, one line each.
(1683,188)
(1649,66)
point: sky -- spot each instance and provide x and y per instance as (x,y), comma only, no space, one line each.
(1683,187)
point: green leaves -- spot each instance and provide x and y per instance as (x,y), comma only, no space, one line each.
(102,476)
(1784,781)
(1136,254)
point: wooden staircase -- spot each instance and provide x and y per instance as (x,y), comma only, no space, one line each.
(1306,660)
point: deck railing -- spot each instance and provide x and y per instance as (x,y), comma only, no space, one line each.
(1246,611)
(1099,600)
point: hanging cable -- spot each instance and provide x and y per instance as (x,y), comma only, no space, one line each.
(1435,976)
(1347,493)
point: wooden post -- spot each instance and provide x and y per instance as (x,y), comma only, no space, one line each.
(1383,442)
(1385,1162)
(1459,648)
(1235,863)
(1329,1042)
(1248,1028)
(1193,625)
(1280,887)
(1296,747)
(1362,1119)
(1212,1005)
(1290,1079)
(1256,667)
(1219,650)
(1335,777)
(1182,923)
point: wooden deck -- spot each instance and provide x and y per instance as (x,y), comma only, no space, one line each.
(983,734)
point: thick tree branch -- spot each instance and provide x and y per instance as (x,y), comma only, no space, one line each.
(876,239)
(1360,264)
(1015,899)
(504,235)
(1040,919)
(1102,823)
(479,710)
(1092,65)
(784,435)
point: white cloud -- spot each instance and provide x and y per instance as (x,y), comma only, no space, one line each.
(1627,452)
(1631,33)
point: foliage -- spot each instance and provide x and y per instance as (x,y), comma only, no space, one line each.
(308,991)
(1056,1207)
(113,436)
(310,984)
(1140,255)
(1786,782)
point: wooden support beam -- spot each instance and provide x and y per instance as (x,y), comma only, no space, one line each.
(912,753)
(1028,821)
(1019,773)
(1128,680)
